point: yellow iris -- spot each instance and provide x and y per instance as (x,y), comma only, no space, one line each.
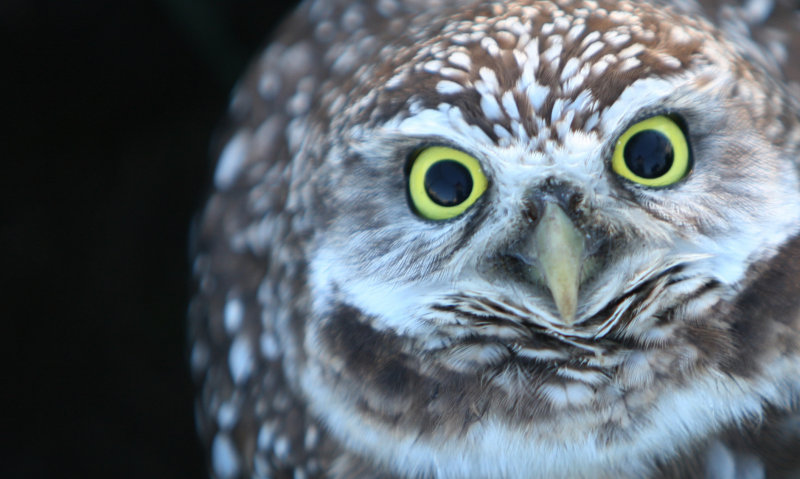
(653,152)
(444,182)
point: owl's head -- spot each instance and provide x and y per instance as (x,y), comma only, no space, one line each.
(528,228)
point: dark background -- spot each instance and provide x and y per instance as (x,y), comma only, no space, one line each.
(109,109)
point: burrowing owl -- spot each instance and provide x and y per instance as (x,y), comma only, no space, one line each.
(474,239)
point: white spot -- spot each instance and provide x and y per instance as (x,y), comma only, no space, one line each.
(552,55)
(561,24)
(679,35)
(520,57)
(320,10)
(592,121)
(325,31)
(224,458)
(629,64)
(599,68)
(240,359)
(298,104)
(460,60)
(757,11)
(591,37)
(592,50)
(227,415)
(576,81)
(641,34)
(269,347)
(233,315)
(432,66)
(616,39)
(231,160)
(490,83)
(296,132)
(521,29)
(570,68)
(450,72)
(460,39)
(281,448)
(491,109)
(519,131)
(265,435)
(311,437)
(558,110)
(490,45)
(447,87)
(510,105)
(537,94)
(298,59)
(586,375)
(541,354)
(631,51)
(269,85)
(575,32)
(387,8)
(345,59)
(668,60)
(396,81)
(501,132)
(620,17)
(352,18)
(531,64)
(564,125)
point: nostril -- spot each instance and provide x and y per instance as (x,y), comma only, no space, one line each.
(531,209)
(574,205)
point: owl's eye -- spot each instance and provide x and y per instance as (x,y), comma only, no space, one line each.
(653,152)
(444,182)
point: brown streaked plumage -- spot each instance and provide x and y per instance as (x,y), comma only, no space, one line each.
(575,320)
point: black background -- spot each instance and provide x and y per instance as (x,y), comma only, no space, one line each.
(109,109)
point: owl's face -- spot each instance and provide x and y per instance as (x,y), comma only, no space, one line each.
(531,227)
(508,237)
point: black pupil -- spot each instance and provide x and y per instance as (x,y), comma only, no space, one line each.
(649,154)
(448,183)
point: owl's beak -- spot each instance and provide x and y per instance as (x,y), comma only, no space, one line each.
(559,247)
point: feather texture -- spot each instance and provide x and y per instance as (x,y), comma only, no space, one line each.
(337,333)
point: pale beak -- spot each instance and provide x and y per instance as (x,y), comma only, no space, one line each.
(559,247)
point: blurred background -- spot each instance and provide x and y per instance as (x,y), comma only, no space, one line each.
(109,110)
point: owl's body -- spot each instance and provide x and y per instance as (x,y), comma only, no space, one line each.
(539,301)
